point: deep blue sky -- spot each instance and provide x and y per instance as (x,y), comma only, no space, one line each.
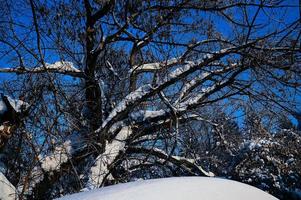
(289,14)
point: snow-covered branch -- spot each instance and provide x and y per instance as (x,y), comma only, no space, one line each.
(142,93)
(59,156)
(151,67)
(198,80)
(60,67)
(196,100)
(101,170)
(188,164)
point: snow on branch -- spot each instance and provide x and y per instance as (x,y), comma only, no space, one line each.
(206,92)
(17,104)
(100,171)
(59,156)
(152,119)
(60,67)
(160,116)
(111,69)
(188,164)
(193,83)
(129,101)
(198,80)
(147,115)
(48,164)
(142,93)
(151,67)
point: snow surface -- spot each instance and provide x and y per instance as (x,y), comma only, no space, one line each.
(7,190)
(178,188)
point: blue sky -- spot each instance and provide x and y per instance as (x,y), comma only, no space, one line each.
(289,14)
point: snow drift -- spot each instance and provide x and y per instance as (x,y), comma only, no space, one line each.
(180,188)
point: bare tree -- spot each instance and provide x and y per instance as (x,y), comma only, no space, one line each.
(111,84)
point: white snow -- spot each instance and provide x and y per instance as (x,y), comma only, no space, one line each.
(198,98)
(178,188)
(59,65)
(257,144)
(148,67)
(17,104)
(179,71)
(129,99)
(146,114)
(111,68)
(60,155)
(7,190)
(193,83)
(100,170)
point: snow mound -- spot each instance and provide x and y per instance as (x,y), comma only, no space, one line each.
(179,188)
